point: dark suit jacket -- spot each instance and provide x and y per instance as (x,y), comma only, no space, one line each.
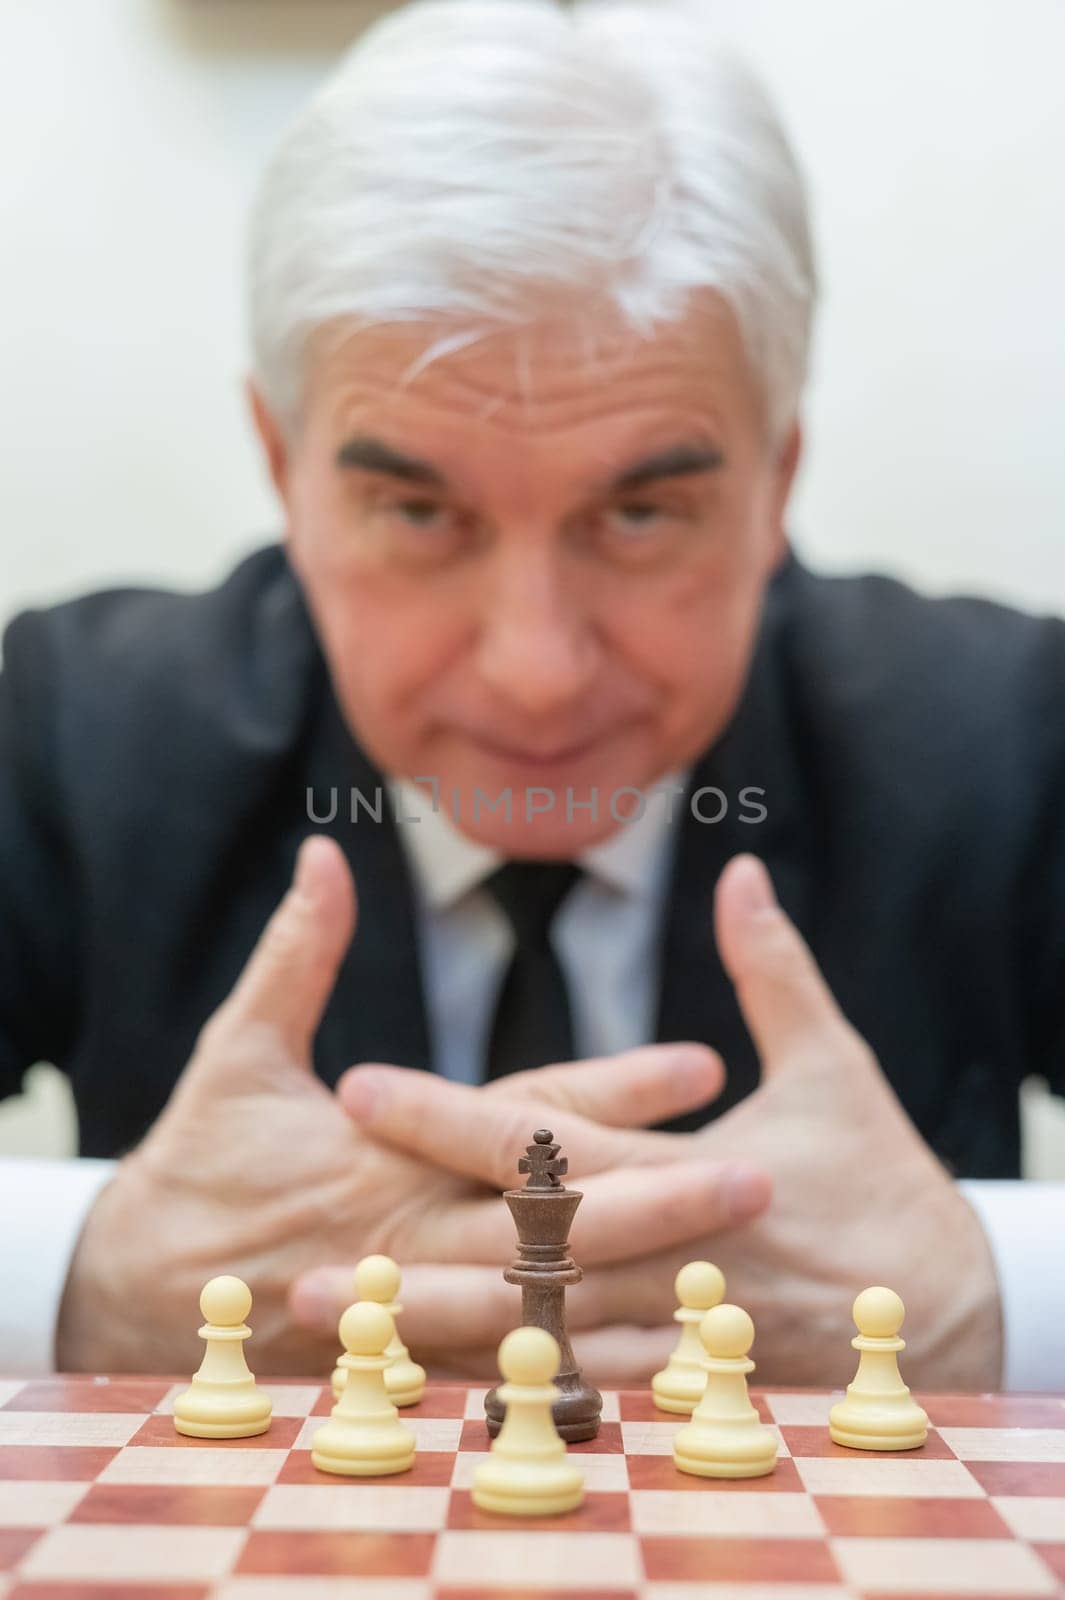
(156,750)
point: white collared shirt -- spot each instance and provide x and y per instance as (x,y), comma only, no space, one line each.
(605,933)
(606,937)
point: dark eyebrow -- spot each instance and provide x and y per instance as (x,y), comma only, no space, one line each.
(679,461)
(373,455)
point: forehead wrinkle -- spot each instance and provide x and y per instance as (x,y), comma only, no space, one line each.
(549,392)
(577,349)
(514,421)
(575,400)
(585,354)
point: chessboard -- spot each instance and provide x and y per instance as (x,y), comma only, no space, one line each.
(100,1497)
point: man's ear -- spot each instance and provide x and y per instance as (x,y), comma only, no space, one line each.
(785,468)
(271,438)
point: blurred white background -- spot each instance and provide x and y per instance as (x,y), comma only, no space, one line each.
(933,136)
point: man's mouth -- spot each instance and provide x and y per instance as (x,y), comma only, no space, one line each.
(543,757)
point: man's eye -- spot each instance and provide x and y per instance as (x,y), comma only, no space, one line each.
(635,515)
(418,513)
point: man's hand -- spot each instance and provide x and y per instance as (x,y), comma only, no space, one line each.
(255,1168)
(858,1197)
(637,1186)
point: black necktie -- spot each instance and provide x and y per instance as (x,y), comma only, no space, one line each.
(532,1023)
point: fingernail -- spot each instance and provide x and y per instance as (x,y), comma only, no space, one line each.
(747,1191)
(302,877)
(312,1303)
(360,1092)
(755,886)
(694,1064)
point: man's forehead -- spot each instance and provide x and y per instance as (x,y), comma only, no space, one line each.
(543,375)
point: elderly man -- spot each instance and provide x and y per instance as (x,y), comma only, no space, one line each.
(746,882)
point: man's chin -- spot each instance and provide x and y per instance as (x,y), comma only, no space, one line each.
(543,839)
(532,818)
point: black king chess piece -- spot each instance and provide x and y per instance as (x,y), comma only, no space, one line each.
(543,1212)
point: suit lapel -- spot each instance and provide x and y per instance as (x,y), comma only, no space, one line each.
(758,751)
(377,1011)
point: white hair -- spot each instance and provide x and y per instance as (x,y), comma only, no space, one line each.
(474,161)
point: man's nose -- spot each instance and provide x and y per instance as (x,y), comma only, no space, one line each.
(538,648)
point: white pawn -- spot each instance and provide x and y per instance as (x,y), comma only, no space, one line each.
(364,1437)
(223,1400)
(528,1473)
(679,1386)
(377,1278)
(879,1412)
(725,1437)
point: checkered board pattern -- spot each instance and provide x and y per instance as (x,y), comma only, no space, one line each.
(100,1497)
